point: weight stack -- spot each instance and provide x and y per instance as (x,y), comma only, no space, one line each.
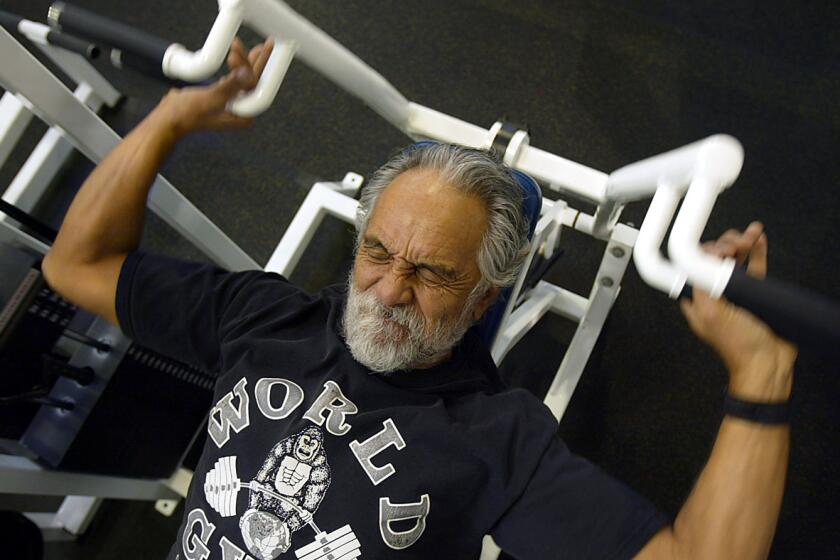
(141,425)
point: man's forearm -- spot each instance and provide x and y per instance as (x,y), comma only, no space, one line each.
(736,501)
(734,507)
(106,216)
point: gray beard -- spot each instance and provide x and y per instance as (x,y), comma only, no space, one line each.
(387,339)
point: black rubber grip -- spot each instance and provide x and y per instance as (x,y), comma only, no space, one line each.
(122,59)
(9,21)
(108,32)
(808,319)
(73,44)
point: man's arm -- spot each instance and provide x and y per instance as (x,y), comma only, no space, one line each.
(105,220)
(734,506)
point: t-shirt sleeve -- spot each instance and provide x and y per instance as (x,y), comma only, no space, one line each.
(182,309)
(571,508)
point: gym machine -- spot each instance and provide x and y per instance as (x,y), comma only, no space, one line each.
(68,375)
(697,173)
(70,55)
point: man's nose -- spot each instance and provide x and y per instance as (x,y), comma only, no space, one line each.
(394,289)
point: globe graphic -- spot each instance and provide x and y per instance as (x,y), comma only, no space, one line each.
(264,534)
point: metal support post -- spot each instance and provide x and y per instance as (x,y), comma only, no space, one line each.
(45,161)
(604,292)
(323,199)
(19,475)
(71,520)
(14,118)
(15,236)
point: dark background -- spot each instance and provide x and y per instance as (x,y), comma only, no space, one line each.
(604,83)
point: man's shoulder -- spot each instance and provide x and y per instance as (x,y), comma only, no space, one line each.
(511,409)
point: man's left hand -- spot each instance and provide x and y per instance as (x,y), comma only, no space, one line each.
(759,362)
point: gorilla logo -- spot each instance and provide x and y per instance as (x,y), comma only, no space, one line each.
(297,469)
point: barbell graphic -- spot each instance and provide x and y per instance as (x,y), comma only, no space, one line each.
(221,488)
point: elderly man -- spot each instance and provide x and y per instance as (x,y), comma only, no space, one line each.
(370,422)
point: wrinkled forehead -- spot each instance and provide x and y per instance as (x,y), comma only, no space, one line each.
(420,213)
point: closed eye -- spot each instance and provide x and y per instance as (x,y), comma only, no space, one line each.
(377,253)
(430,276)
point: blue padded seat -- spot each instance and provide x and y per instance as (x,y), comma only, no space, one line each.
(531,205)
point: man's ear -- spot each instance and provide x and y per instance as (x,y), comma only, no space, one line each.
(486,301)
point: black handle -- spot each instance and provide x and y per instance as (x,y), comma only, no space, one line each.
(801,316)
(804,317)
(108,32)
(73,44)
(9,21)
(68,42)
(121,60)
(124,59)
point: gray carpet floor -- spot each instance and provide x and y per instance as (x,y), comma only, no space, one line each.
(602,82)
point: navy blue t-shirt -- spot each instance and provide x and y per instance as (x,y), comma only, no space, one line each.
(310,455)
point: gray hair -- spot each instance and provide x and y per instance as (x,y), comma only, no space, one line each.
(505,245)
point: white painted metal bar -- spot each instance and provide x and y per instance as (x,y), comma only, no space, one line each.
(42,165)
(604,292)
(651,265)
(76,513)
(606,216)
(14,118)
(426,123)
(71,520)
(718,158)
(705,168)
(36,174)
(55,104)
(81,71)
(571,217)
(180,483)
(51,529)
(506,338)
(522,320)
(51,153)
(179,62)
(12,234)
(317,49)
(260,98)
(322,199)
(702,269)
(22,476)
(273,18)
(562,174)
(566,303)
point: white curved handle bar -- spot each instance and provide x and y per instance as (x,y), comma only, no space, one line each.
(183,64)
(700,171)
(255,102)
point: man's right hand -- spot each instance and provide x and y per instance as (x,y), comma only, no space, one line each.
(193,108)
